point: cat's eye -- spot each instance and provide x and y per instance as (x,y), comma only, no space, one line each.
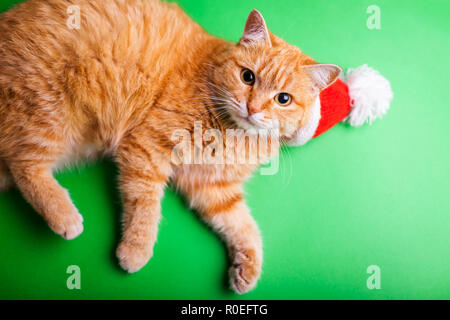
(283,99)
(248,77)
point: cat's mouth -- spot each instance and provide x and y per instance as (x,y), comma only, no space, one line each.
(251,122)
(243,122)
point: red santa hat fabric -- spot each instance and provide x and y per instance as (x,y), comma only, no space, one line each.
(363,96)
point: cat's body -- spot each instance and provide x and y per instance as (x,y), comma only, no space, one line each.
(101,81)
(132,74)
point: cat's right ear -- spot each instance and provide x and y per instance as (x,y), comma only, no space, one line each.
(255,29)
(323,75)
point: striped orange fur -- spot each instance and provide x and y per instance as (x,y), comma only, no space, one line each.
(133,73)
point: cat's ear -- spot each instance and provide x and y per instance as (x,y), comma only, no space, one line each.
(323,75)
(255,29)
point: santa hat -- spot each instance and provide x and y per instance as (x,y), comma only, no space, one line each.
(363,96)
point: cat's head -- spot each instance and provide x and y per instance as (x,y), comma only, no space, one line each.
(267,83)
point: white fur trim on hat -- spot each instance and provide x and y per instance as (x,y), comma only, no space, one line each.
(306,133)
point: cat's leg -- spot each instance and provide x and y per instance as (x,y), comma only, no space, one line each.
(6,180)
(222,206)
(35,180)
(143,176)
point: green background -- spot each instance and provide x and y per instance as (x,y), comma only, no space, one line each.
(352,198)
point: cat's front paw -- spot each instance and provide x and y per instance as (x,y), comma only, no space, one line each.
(132,257)
(245,271)
(68,226)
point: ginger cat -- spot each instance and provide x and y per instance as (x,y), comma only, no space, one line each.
(134,72)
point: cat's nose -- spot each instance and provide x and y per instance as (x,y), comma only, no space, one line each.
(253,108)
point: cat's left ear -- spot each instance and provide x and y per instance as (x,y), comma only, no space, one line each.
(255,29)
(323,75)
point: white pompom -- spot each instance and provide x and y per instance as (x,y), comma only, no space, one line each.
(370,95)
